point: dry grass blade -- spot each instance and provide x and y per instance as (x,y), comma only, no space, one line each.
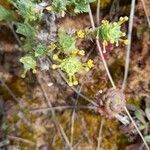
(60,108)
(148,20)
(14,138)
(127,60)
(98,12)
(72,126)
(9,90)
(10,25)
(100,135)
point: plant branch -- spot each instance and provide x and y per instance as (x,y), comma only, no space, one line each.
(10,25)
(73,88)
(100,49)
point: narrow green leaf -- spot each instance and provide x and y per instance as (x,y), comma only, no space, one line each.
(147,138)
(29,63)
(40,50)
(6,15)
(140,115)
(147,112)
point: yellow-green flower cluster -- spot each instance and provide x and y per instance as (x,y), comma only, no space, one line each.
(111,32)
(68,56)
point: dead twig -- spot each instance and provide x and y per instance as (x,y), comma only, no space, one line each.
(60,108)
(9,90)
(100,134)
(10,25)
(19,139)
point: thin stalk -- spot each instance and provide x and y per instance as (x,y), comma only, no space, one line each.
(148,20)
(9,91)
(98,12)
(10,25)
(127,61)
(72,126)
(100,134)
(14,138)
(60,108)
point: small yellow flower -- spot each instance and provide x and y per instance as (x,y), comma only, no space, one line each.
(81,34)
(52,46)
(55,57)
(81,52)
(87,69)
(49,8)
(105,22)
(105,43)
(126,42)
(75,83)
(123,34)
(54,66)
(75,51)
(70,84)
(123,19)
(90,63)
(34,71)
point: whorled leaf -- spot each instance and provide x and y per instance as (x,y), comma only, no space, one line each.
(82,5)
(29,63)
(140,115)
(26,30)
(40,50)
(66,42)
(111,32)
(79,6)
(60,5)
(28,10)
